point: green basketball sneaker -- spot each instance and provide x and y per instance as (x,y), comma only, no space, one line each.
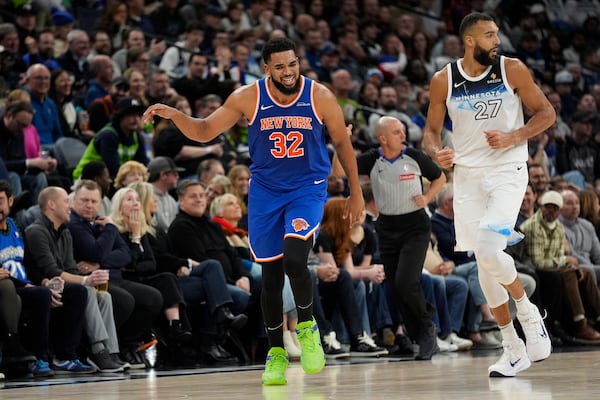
(312,357)
(275,366)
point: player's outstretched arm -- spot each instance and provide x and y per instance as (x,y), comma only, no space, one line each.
(240,102)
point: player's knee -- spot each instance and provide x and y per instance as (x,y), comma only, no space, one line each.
(295,266)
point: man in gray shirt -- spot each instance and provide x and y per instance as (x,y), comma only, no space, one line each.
(164,175)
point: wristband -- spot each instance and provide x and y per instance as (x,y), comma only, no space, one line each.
(190,265)
(360,275)
(84,280)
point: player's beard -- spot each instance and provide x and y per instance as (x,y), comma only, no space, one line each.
(483,57)
(287,90)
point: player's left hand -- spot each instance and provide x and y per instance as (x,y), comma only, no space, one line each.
(354,208)
(498,139)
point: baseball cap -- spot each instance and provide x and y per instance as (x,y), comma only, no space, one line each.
(374,71)
(537,8)
(121,81)
(329,49)
(214,10)
(161,164)
(552,197)
(26,9)
(563,76)
(61,17)
(127,106)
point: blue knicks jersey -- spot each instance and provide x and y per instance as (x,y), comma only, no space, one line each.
(286,141)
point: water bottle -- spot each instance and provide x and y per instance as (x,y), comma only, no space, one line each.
(83,118)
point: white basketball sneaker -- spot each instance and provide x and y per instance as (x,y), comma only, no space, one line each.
(513,360)
(537,338)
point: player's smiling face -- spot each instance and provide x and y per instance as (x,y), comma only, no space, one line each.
(284,69)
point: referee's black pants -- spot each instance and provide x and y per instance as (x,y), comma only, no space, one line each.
(403,241)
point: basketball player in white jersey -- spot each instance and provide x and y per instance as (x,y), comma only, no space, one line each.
(484,94)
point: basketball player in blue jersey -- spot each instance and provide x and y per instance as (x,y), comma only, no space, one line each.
(484,94)
(287,114)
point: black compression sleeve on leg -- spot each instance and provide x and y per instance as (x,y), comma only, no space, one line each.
(295,256)
(271,302)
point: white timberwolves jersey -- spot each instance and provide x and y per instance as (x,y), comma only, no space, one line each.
(485,102)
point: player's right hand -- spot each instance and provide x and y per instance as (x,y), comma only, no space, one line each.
(159,110)
(445,157)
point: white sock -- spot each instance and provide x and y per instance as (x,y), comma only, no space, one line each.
(523,305)
(508,332)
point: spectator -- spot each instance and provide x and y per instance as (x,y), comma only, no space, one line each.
(119,141)
(97,242)
(576,159)
(581,234)
(101,68)
(75,61)
(208,169)
(62,21)
(102,109)
(590,208)
(137,85)
(449,295)
(388,105)
(12,66)
(131,171)
(99,324)
(164,175)
(41,51)
(166,20)
(45,117)
(176,58)
(333,246)
(16,289)
(199,81)
(194,236)
(202,283)
(170,142)
(545,244)
(141,268)
(48,251)
(24,174)
(96,171)
(114,21)
(132,37)
(137,17)
(33,148)
(159,89)
(61,92)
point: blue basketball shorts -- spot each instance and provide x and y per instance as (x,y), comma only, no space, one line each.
(276,215)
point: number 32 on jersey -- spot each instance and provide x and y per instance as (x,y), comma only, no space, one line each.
(287,145)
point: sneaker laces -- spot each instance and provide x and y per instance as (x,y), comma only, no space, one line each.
(306,341)
(331,341)
(531,325)
(366,339)
(276,362)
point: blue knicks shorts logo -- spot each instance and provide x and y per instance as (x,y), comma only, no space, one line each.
(299,224)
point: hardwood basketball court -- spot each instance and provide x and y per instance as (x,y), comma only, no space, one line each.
(570,374)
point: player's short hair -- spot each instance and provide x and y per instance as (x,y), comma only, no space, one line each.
(470,20)
(277,45)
